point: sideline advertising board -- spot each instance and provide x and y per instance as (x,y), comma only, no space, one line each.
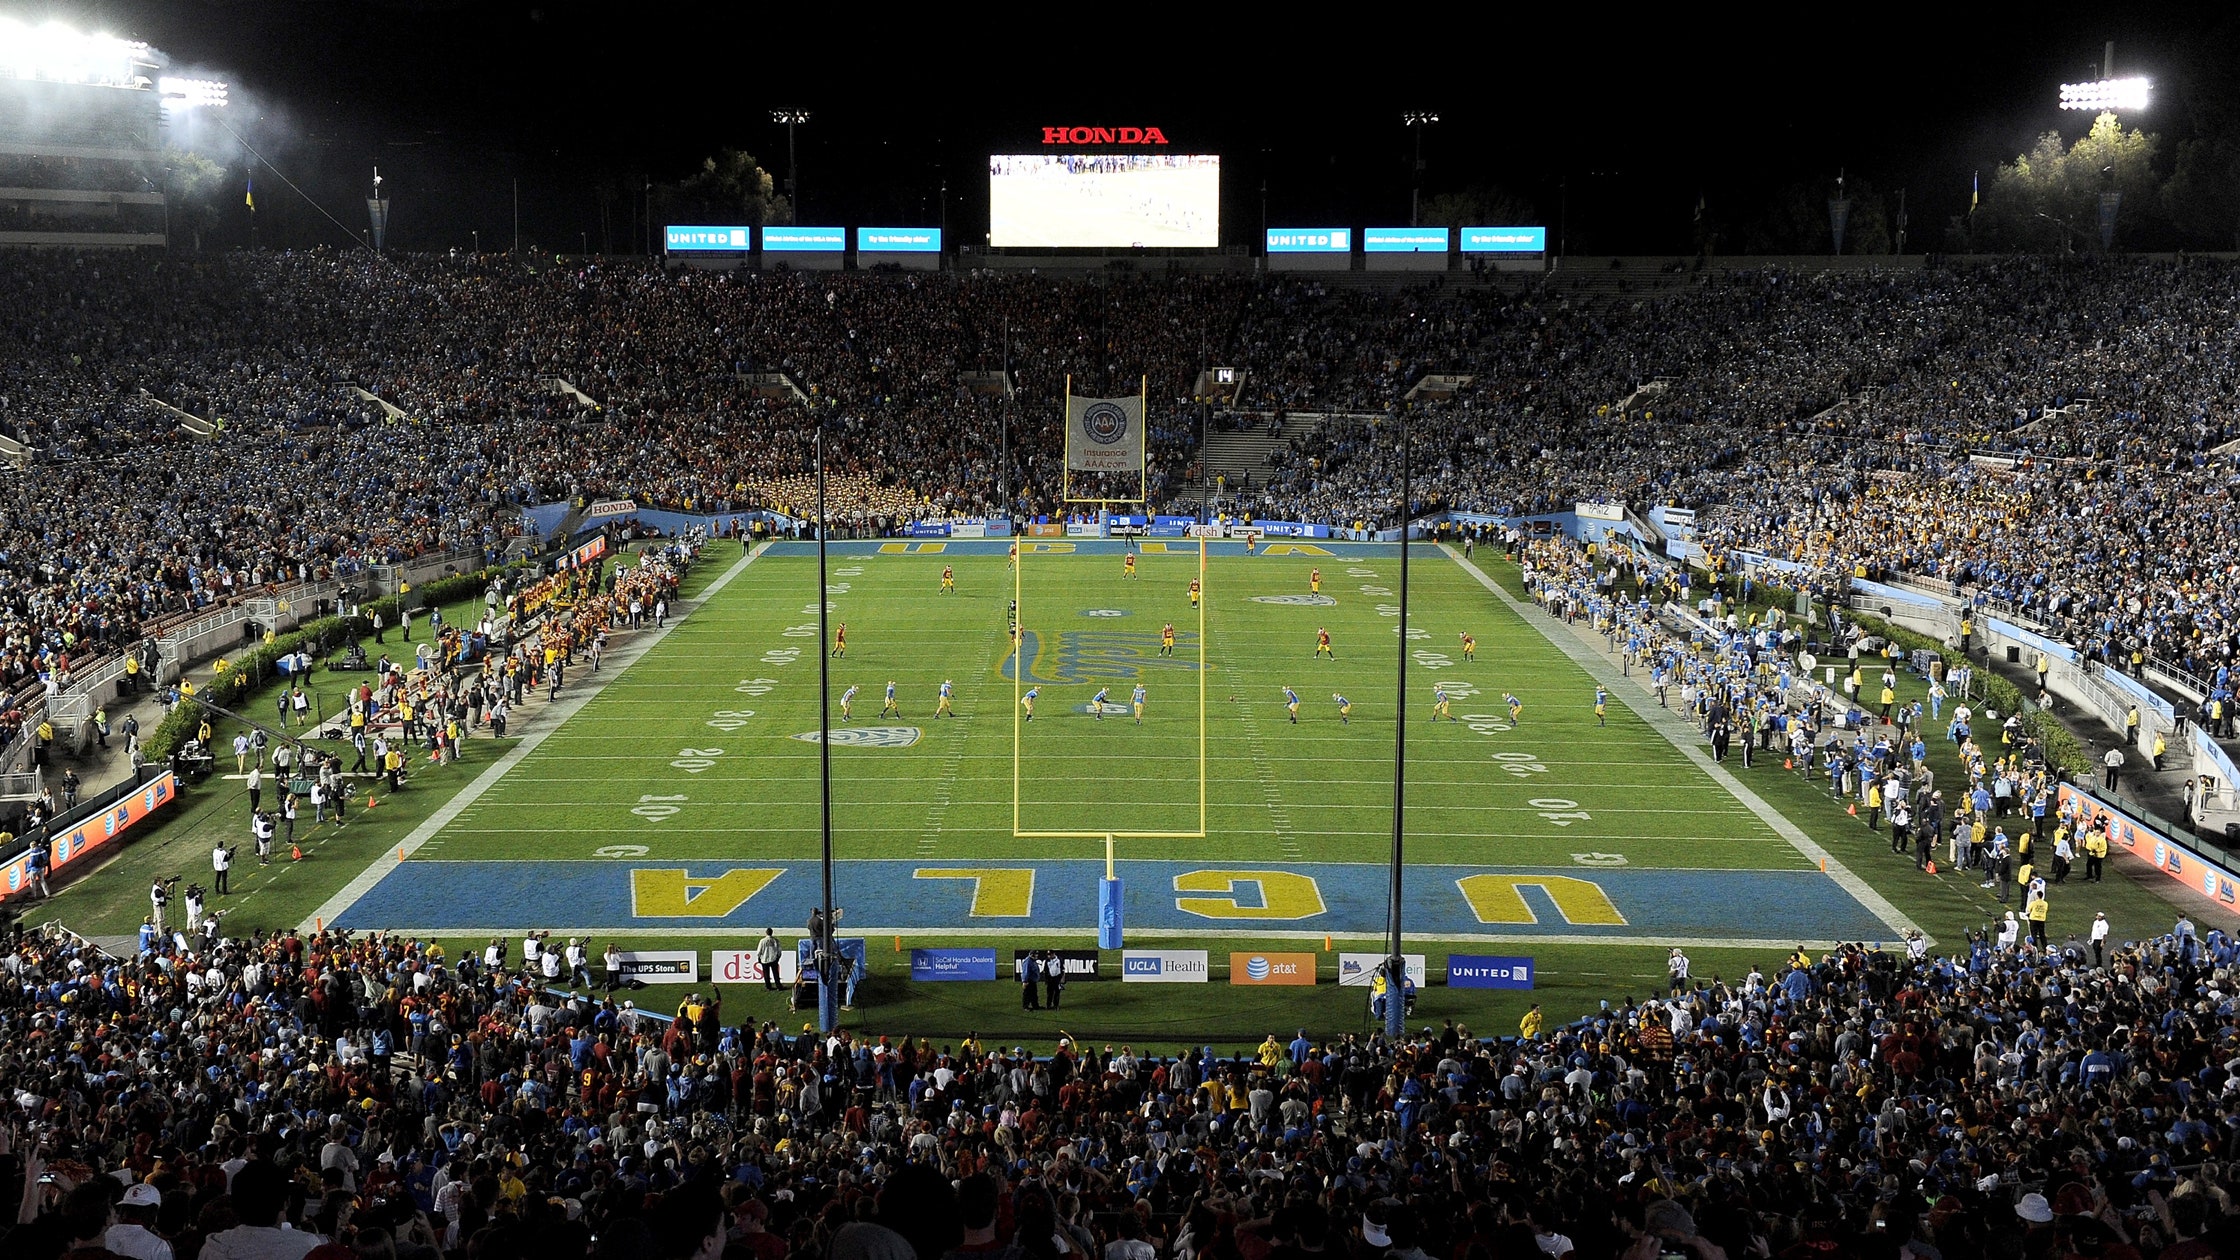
(2129,835)
(1079,964)
(1361,969)
(952,964)
(660,966)
(1488,971)
(738,966)
(93,834)
(1271,969)
(1164,966)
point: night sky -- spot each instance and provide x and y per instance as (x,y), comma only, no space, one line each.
(1612,131)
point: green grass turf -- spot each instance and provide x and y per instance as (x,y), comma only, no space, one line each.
(740,675)
(1277,791)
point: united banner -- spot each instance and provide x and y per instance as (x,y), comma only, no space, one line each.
(1104,435)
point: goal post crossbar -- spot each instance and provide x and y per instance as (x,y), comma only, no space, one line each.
(1108,835)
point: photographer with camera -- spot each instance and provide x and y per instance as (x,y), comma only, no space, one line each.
(159,897)
(221,864)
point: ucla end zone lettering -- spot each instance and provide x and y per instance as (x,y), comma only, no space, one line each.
(1313,898)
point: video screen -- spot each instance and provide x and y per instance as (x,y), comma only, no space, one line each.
(1104,200)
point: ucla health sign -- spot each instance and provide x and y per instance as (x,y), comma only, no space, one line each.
(804,240)
(1504,240)
(685,240)
(1164,966)
(1310,240)
(1404,240)
(1488,971)
(871,240)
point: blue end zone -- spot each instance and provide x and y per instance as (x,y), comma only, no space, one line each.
(1279,549)
(1201,898)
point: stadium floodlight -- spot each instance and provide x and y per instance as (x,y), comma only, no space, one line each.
(2103,96)
(191,93)
(1416,120)
(789,119)
(56,53)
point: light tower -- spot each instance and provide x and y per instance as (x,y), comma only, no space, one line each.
(1416,120)
(791,118)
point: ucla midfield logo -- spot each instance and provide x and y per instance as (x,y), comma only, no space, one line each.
(1081,656)
(867,736)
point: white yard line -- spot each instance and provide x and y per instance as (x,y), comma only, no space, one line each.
(1680,733)
(621,657)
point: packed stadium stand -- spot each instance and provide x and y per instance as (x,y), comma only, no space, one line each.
(197,431)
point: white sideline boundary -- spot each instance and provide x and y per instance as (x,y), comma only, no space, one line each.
(624,657)
(1680,735)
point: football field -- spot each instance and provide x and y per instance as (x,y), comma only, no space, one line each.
(682,801)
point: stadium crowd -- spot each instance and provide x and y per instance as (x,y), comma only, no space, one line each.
(2043,433)
(272,1095)
(2039,432)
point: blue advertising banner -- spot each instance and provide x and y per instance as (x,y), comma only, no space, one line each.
(873,240)
(1504,240)
(929,529)
(679,239)
(1404,240)
(1488,971)
(952,964)
(804,240)
(1310,240)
